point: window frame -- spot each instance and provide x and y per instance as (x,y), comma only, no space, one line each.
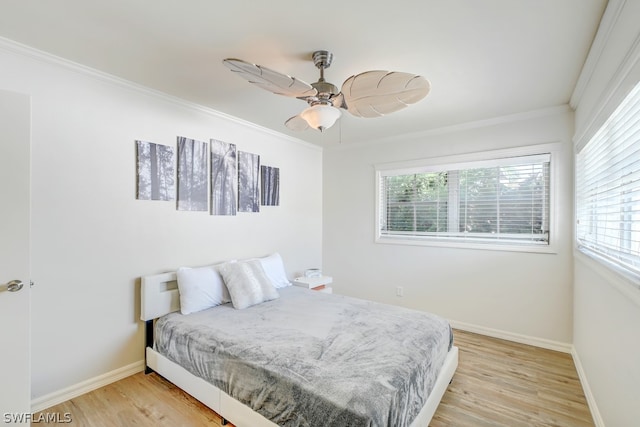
(442,163)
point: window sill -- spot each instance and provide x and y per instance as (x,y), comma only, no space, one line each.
(541,249)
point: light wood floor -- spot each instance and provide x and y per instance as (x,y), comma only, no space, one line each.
(501,383)
(498,383)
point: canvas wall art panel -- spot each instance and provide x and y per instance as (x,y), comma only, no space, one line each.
(155,170)
(248,182)
(270,186)
(224,178)
(193,187)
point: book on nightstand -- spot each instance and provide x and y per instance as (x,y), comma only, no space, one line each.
(312,282)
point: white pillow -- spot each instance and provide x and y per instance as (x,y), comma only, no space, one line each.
(247,283)
(201,288)
(274,268)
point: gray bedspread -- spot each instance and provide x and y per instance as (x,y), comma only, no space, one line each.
(314,359)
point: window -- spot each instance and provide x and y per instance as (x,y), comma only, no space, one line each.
(499,201)
(608,189)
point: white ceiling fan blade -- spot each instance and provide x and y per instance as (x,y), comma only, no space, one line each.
(376,93)
(297,123)
(270,80)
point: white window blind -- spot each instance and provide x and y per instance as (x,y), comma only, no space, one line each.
(504,201)
(608,188)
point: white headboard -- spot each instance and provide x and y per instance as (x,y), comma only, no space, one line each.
(159,295)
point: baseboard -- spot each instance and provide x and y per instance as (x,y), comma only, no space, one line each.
(591,400)
(510,336)
(83,387)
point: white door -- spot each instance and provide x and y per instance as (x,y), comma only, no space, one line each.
(15,361)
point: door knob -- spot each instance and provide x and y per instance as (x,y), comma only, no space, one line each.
(12,286)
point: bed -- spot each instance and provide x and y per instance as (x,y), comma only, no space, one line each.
(299,358)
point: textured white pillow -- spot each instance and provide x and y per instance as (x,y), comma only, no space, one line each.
(247,283)
(201,288)
(274,269)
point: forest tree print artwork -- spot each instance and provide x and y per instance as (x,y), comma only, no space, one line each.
(270,185)
(155,171)
(192,175)
(248,182)
(224,176)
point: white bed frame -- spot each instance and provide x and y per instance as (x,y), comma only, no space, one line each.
(159,295)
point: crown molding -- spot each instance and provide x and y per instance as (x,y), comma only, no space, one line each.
(608,22)
(14,47)
(460,127)
(616,89)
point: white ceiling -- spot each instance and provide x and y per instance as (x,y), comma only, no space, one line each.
(484,58)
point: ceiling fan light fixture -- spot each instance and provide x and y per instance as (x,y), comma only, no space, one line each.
(369,94)
(321,116)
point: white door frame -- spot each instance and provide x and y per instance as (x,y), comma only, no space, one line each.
(15,219)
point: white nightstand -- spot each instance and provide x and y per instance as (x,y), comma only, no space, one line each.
(315,283)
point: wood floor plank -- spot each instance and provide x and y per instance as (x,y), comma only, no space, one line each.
(502,383)
(498,384)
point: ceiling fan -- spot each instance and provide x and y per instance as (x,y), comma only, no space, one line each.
(368,94)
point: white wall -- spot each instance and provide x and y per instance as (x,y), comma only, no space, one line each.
(510,293)
(607,342)
(606,306)
(91,238)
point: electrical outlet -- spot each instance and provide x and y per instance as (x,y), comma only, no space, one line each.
(399,291)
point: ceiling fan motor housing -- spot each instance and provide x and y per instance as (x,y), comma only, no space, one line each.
(322,59)
(325,89)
